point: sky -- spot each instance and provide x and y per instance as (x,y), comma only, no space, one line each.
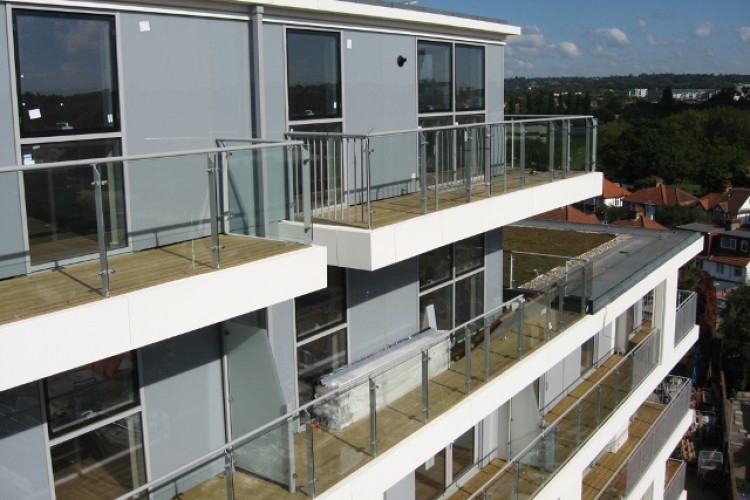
(605,37)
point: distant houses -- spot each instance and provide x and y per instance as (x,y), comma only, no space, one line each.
(646,202)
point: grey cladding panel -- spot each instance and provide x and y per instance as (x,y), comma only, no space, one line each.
(275,80)
(495,82)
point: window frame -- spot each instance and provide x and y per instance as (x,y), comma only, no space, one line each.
(114,65)
(727,243)
(314,119)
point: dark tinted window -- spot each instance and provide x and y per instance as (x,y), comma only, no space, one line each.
(323,309)
(66,73)
(435,72)
(313,74)
(469,78)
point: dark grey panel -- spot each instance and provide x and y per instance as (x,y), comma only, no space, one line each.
(12,258)
(23,455)
(383,307)
(183,404)
(495,82)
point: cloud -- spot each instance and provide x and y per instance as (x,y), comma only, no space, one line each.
(703,29)
(569,49)
(613,35)
(663,42)
(745,34)
(531,36)
(641,25)
(518,63)
(599,50)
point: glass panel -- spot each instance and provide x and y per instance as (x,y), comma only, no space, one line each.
(66,74)
(104,463)
(430,478)
(469,298)
(322,309)
(90,392)
(587,355)
(269,460)
(470,119)
(317,358)
(435,73)
(60,207)
(463,453)
(435,267)
(446,385)
(441,301)
(469,77)
(469,254)
(439,147)
(313,74)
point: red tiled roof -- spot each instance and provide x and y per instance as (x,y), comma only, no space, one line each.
(613,190)
(709,201)
(642,222)
(730,201)
(567,214)
(662,195)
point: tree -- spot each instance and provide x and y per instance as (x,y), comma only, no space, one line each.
(676,215)
(667,99)
(735,330)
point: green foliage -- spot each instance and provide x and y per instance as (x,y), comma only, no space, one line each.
(672,216)
(735,329)
(611,214)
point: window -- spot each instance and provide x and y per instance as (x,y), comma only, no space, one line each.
(720,268)
(743,246)
(66,73)
(320,319)
(313,74)
(94,423)
(737,272)
(728,243)
(437,63)
(451,282)
(435,74)
(469,78)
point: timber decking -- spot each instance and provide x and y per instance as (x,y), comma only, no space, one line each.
(76,284)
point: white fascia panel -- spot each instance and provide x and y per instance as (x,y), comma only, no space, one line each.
(393,14)
(38,347)
(369,250)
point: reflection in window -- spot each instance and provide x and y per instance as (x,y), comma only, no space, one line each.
(317,358)
(469,298)
(322,309)
(434,267)
(469,254)
(90,392)
(60,203)
(66,73)
(435,73)
(313,74)
(104,463)
(439,302)
(469,77)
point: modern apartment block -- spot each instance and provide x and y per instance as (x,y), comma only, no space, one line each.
(255,250)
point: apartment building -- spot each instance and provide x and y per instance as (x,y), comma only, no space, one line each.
(256,250)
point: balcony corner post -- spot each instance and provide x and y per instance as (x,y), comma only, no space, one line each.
(104,270)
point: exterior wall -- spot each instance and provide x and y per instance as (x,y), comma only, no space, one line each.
(22,444)
(281,335)
(274,61)
(183,401)
(383,307)
(495,67)
(12,253)
(185,83)
(493,262)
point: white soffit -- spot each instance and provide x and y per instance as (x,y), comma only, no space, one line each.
(419,17)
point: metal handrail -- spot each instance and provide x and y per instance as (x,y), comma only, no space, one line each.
(548,428)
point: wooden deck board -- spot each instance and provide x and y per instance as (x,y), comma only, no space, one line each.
(53,290)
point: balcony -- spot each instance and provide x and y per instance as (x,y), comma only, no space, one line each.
(384,197)
(615,474)
(687,304)
(350,423)
(675,479)
(570,423)
(88,271)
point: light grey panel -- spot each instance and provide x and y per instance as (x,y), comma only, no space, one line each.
(381,96)
(256,400)
(495,56)
(524,421)
(12,259)
(554,384)
(503,431)
(281,331)
(383,307)
(572,370)
(23,456)
(606,341)
(186,82)
(183,402)
(403,490)
(488,439)
(378,94)
(275,80)
(493,281)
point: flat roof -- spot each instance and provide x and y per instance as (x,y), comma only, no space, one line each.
(624,263)
(701,228)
